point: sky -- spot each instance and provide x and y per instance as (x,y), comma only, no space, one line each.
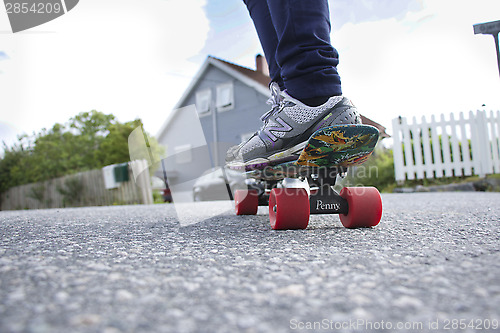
(135,58)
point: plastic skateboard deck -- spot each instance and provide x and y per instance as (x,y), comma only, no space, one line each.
(335,146)
(331,148)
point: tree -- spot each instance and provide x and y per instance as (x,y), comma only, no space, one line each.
(114,149)
(91,129)
(90,140)
(11,165)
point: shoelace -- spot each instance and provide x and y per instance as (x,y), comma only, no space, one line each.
(275,101)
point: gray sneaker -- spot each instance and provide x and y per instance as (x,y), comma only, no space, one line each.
(287,128)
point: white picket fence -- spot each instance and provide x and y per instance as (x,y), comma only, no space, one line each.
(447,148)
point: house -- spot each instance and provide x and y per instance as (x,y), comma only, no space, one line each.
(229,101)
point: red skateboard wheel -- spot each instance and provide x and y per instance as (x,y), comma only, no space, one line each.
(365,207)
(289,208)
(246,202)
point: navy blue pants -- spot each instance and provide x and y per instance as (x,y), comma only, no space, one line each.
(295,36)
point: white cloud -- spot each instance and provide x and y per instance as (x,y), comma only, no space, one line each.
(429,62)
(114,56)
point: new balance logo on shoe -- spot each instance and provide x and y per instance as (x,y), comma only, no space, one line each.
(270,129)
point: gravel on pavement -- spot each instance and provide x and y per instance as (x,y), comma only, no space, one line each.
(432,264)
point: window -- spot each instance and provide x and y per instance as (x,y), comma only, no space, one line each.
(225,97)
(183,154)
(203,98)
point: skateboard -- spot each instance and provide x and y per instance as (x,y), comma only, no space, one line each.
(327,154)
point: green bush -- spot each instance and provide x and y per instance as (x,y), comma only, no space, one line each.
(157,197)
(378,171)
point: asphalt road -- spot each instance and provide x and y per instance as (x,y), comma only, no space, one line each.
(433,264)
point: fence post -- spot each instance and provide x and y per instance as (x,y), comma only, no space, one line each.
(417,148)
(428,166)
(445,147)
(399,171)
(495,136)
(466,154)
(455,151)
(479,143)
(436,148)
(485,142)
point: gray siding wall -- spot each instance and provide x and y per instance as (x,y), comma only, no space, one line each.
(183,131)
(244,118)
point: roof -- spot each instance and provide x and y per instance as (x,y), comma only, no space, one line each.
(381,129)
(257,76)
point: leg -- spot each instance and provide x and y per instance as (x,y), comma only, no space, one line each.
(261,17)
(304,53)
(295,35)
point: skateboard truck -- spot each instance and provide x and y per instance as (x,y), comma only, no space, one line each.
(325,200)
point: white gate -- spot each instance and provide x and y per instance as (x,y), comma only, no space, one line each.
(447,148)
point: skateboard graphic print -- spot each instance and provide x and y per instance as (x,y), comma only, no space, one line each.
(341,146)
(328,153)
